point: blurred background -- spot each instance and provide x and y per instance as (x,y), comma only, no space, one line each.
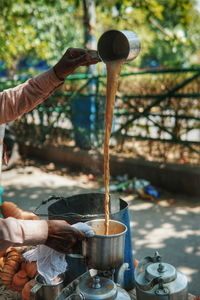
(156,127)
(157,104)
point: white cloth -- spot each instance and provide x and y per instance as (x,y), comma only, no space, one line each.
(84,228)
(51,263)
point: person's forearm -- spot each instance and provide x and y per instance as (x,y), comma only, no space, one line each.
(23,98)
(17,233)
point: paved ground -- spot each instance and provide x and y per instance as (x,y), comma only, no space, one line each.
(170,225)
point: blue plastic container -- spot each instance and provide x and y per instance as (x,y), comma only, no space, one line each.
(85,207)
(1,198)
(1,193)
(81,120)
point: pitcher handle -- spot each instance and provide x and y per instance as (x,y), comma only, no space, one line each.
(34,291)
(75,297)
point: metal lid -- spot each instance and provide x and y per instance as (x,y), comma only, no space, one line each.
(160,270)
(97,288)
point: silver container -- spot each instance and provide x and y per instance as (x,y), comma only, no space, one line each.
(87,287)
(118,45)
(100,288)
(104,252)
(44,291)
(156,280)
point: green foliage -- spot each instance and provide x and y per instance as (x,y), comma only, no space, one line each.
(168,29)
(41,29)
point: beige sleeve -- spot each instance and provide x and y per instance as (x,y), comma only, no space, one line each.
(15,232)
(24,97)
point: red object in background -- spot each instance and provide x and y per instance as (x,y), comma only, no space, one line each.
(91,177)
(191,297)
(5,154)
(183,160)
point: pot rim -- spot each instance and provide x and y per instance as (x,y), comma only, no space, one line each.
(107,236)
(62,276)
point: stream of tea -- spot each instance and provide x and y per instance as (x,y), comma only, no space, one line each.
(113,72)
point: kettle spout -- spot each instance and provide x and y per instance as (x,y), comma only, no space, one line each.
(120,276)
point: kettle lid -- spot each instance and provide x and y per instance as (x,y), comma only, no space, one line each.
(161,270)
(98,288)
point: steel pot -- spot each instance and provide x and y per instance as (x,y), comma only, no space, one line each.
(45,291)
(117,45)
(104,252)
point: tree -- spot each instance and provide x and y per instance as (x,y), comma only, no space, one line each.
(39,29)
(164,27)
(44,28)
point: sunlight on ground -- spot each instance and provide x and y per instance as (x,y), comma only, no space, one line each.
(156,237)
(188,272)
(169,224)
(141,206)
(191,250)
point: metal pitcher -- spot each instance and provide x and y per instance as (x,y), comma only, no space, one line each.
(104,252)
(118,45)
(45,291)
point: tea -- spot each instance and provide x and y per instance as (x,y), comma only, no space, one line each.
(113,72)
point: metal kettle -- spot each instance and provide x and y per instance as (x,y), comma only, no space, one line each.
(90,286)
(100,288)
(156,280)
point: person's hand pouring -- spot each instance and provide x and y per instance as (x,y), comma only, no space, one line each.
(74,58)
(62,237)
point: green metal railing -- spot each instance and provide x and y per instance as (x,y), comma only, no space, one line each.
(154,105)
